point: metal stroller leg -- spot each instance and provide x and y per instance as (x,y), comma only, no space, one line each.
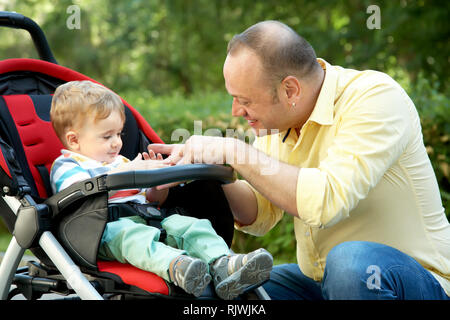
(70,271)
(262,293)
(68,268)
(259,291)
(8,267)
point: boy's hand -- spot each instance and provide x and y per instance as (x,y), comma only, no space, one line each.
(175,152)
(146,161)
(142,161)
(156,195)
(151,155)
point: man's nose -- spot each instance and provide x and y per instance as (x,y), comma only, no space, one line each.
(237,110)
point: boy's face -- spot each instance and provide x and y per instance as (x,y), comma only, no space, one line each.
(100,141)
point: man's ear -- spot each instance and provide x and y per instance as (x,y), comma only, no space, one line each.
(72,140)
(292,88)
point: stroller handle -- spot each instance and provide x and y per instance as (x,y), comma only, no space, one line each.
(18,21)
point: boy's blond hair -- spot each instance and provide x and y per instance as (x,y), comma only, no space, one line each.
(76,101)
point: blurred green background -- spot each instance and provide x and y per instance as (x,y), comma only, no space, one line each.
(165,58)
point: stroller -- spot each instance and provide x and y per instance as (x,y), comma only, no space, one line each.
(63,230)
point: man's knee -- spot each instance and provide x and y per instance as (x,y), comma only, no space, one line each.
(346,256)
(346,270)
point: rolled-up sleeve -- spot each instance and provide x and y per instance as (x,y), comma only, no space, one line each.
(268,214)
(370,136)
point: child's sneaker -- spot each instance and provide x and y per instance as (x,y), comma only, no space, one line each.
(237,273)
(190,274)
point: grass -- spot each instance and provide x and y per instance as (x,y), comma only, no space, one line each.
(5,238)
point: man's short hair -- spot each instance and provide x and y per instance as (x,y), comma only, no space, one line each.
(76,101)
(282,51)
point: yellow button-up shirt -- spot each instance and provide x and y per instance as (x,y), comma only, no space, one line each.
(365,175)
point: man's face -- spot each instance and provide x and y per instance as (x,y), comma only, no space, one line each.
(101,140)
(254,98)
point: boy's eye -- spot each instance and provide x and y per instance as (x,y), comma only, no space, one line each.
(119,135)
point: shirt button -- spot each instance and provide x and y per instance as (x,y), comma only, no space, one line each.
(307,233)
(316,264)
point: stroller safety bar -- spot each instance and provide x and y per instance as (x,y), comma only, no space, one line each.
(152,178)
(138,179)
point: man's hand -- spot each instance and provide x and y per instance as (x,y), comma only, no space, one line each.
(174,151)
(146,161)
(215,150)
(198,149)
(211,150)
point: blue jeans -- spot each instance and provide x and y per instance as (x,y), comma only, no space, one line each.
(358,270)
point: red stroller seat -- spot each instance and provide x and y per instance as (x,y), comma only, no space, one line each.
(28,147)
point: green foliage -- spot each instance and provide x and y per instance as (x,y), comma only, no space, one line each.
(279,241)
(434,111)
(201,114)
(179,45)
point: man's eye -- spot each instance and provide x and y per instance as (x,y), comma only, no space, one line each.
(106,137)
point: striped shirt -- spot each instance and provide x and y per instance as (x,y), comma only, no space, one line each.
(71,167)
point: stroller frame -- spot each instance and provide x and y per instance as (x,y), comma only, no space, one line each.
(62,261)
(31,227)
(76,280)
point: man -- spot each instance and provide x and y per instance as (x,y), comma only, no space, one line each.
(342,152)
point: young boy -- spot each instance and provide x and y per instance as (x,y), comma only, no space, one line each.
(88,119)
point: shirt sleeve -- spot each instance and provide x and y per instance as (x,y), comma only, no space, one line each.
(371,135)
(268,214)
(65,172)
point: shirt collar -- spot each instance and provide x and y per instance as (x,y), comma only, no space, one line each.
(323,111)
(69,153)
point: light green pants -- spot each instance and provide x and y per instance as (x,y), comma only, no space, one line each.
(130,240)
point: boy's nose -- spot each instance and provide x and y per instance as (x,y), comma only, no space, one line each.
(116,142)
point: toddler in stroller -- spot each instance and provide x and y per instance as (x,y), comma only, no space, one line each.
(88,119)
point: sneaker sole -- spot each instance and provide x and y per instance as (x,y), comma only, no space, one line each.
(198,276)
(255,272)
